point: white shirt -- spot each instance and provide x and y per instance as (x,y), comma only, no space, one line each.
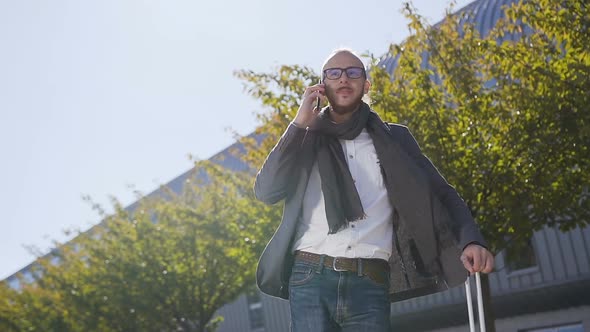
(366,238)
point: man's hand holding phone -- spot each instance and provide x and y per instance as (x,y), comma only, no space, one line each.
(309,110)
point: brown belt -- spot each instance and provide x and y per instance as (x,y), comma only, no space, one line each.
(370,267)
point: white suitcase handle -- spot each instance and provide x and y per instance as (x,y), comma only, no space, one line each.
(482,325)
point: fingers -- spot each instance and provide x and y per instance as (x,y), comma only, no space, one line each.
(486,261)
(489,266)
(467,263)
(313,92)
(477,259)
(308,109)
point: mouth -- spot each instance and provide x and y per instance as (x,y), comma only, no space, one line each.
(344,90)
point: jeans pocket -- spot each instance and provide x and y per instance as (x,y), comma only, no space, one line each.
(301,274)
(380,279)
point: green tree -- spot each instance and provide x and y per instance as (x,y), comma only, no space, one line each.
(507,123)
(168,265)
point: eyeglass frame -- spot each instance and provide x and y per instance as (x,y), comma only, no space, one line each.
(343,70)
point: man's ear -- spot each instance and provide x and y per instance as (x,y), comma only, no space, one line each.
(367,87)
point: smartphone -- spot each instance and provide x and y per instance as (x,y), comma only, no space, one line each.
(318,106)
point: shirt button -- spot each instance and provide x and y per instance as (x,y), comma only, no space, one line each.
(350,156)
(352,226)
(348,248)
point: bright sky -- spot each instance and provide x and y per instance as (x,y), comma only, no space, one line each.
(104,97)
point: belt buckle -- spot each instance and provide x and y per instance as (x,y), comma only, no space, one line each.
(334,266)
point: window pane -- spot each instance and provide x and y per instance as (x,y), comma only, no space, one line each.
(562,328)
(571,328)
(522,257)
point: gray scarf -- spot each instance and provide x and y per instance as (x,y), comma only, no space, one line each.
(342,201)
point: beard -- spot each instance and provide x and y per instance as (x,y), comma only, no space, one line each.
(349,107)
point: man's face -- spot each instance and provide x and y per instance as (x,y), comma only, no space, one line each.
(344,93)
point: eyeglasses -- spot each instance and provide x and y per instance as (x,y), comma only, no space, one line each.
(351,72)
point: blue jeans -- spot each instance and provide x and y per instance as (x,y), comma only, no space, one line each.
(323,300)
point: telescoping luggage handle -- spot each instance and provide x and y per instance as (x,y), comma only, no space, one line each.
(482,325)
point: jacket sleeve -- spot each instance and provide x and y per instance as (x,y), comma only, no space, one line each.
(463,226)
(278,175)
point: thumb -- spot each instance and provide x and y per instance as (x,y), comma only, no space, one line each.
(467,263)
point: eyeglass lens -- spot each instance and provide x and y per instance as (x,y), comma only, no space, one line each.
(336,73)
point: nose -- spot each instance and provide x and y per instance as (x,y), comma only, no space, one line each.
(343,77)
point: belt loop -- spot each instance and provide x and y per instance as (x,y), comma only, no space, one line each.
(321,268)
(359,267)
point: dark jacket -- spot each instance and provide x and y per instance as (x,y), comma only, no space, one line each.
(432,224)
